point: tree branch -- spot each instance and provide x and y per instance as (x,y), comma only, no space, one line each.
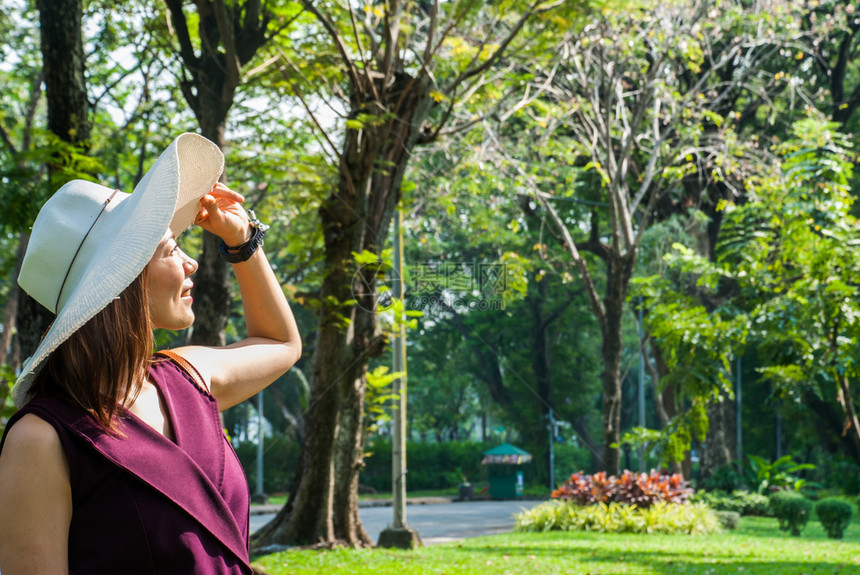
(535,8)
(180,28)
(338,42)
(340,159)
(228,40)
(578,260)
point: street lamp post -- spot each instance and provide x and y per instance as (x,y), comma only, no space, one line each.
(641,387)
(260,496)
(552,434)
(740,436)
(398,534)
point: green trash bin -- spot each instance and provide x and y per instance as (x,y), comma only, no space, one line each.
(506,479)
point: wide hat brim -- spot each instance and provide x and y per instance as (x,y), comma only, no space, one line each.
(124,238)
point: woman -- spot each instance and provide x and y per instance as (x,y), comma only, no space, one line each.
(116,461)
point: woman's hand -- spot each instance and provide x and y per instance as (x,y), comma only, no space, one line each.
(221,213)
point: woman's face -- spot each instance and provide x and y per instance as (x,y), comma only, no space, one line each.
(170,285)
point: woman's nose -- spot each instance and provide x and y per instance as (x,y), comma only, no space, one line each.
(190,264)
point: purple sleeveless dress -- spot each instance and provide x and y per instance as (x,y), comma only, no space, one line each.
(143,504)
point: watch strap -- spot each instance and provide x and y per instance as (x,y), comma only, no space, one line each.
(238,254)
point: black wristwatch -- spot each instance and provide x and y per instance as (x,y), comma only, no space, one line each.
(246,250)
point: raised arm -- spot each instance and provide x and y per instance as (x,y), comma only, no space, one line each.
(273,344)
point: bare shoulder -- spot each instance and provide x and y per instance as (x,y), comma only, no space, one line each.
(35,499)
(33,448)
(32,434)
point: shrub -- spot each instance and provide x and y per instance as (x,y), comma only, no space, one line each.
(726,478)
(762,475)
(729,519)
(841,474)
(661,517)
(430,464)
(742,502)
(791,509)
(640,489)
(280,458)
(834,515)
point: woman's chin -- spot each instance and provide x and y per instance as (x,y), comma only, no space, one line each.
(175,325)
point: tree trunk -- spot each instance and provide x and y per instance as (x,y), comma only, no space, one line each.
(846,400)
(666,402)
(348,462)
(230,36)
(829,426)
(664,398)
(212,293)
(721,442)
(9,312)
(68,118)
(618,273)
(324,505)
(541,368)
(63,62)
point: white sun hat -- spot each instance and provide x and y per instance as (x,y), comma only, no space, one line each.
(89,242)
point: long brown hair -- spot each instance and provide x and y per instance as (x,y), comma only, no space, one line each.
(102,366)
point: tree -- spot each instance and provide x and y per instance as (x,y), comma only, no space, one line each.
(228,37)
(833,41)
(649,110)
(403,75)
(501,321)
(68,118)
(20,174)
(786,252)
(805,64)
(616,98)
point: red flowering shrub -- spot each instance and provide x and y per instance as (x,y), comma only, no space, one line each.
(587,489)
(640,489)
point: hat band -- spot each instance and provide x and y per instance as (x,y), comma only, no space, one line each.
(77,251)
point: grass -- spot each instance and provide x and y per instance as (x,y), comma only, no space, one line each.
(758,547)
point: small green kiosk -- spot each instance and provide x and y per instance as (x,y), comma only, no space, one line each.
(506,481)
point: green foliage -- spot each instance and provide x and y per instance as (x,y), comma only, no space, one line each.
(23,190)
(725,478)
(729,519)
(378,396)
(834,515)
(662,517)
(457,477)
(791,509)
(672,441)
(281,459)
(7,408)
(782,282)
(841,473)
(763,476)
(742,502)
(430,464)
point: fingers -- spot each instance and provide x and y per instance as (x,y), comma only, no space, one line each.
(219,198)
(221,213)
(202,215)
(222,192)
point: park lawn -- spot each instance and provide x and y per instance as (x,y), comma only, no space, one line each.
(758,547)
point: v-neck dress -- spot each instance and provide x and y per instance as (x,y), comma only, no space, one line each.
(143,504)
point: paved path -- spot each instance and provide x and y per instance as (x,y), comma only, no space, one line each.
(440,522)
